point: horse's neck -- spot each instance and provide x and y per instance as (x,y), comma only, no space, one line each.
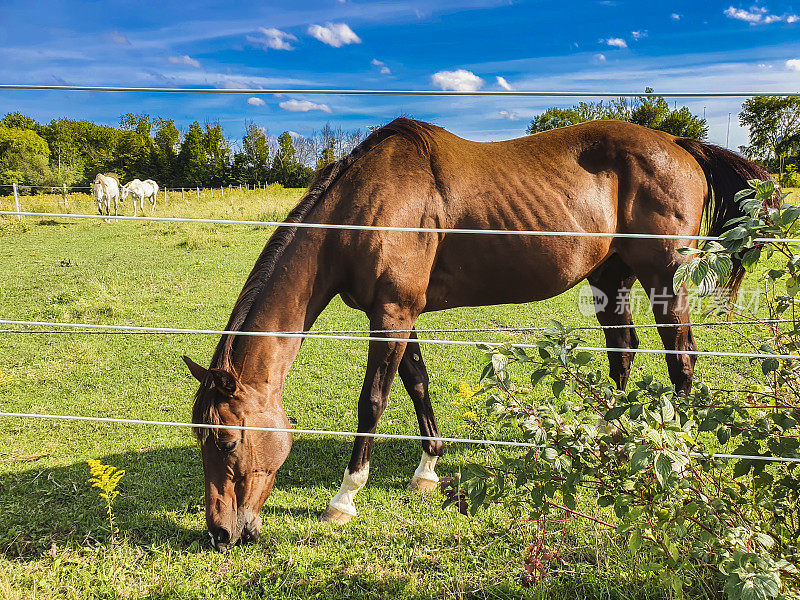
(293,296)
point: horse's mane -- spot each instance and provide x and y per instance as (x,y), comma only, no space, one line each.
(418,133)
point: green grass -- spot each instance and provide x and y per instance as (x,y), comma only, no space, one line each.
(53,532)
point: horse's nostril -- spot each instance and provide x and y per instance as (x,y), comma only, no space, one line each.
(220,536)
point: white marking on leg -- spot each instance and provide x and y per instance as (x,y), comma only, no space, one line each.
(351,483)
(426,467)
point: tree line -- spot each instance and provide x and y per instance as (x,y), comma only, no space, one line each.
(72,152)
(773,124)
(69,152)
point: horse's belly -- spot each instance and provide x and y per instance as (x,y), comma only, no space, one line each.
(505,270)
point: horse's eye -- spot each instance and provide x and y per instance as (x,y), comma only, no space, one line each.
(226,446)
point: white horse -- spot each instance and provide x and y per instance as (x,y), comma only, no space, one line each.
(105,189)
(139,191)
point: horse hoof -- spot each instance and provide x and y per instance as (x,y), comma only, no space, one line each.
(418,484)
(334,515)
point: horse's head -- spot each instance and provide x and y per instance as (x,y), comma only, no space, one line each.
(239,465)
(123,192)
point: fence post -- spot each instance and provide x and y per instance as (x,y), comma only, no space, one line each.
(64,194)
(222,190)
(198,194)
(212,192)
(165,196)
(16,200)
(183,198)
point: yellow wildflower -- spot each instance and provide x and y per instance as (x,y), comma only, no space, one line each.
(106,478)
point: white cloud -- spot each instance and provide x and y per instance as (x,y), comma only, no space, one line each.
(184,60)
(273,38)
(599,58)
(382,65)
(615,42)
(509,114)
(459,80)
(758,15)
(334,34)
(637,35)
(754,15)
(793,64)
(675,17)
(255,101)
(501,81)
(118,38)
(303,106)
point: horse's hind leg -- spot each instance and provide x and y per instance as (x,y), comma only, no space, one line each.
(613,282)
(415,379)
(672,310)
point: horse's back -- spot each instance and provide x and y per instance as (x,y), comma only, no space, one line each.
(605,176)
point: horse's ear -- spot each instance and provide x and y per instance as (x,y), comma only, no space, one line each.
(196,370)
(224,381)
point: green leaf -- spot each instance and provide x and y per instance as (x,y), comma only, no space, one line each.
(641,459)
(750,259)
(663,467)
(558,387)
(537,375)
(723,434)
(615,413)
(499,362)
(583,358)
(604,501)
(792,286)
(769,364)
(635,542)
(550,454)
(680,277)
(742,468)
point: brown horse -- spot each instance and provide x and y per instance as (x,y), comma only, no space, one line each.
(603,176)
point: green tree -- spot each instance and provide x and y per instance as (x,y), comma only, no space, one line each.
(191,159)
(19,121)
(286,169)
(218,155)
(166,142)
(648,110)
(327,156)
(141,124)
(24,157)
(774,126)
(255,152)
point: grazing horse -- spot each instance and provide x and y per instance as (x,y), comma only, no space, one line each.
(602,176)
(105,188)
(139,191)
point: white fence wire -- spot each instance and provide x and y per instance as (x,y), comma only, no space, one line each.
(388,92)
(354,434)
(445,230)
(373,338)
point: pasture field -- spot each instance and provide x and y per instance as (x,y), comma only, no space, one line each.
(53,528)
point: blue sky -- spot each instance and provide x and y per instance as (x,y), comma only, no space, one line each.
(618,45)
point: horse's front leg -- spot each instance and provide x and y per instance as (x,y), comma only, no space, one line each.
(382,363)
(415,379)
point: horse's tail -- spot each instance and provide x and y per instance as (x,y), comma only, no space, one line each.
(726,173)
